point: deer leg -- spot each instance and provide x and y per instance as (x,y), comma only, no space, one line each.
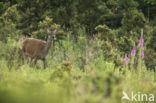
(44,63)
(35,61)
(31,61)
(25,59)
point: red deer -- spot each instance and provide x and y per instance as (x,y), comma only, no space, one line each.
(38,49)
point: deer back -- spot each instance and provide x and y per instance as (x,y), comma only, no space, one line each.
(34,47)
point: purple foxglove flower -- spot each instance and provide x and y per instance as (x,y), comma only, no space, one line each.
(141,41)
(126,59)
(133,52)
(142,54)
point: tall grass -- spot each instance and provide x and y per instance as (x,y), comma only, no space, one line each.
(76,72)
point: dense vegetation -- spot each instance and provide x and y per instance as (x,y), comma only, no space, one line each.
(102,48)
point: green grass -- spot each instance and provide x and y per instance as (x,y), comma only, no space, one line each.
(84,77)
(58,85)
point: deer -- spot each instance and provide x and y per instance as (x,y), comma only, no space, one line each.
(38,49)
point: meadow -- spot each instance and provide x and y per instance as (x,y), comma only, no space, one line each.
(104,51)
(75,73)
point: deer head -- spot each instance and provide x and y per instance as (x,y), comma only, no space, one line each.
(51,34)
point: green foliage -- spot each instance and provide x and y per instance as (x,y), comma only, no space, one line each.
(105,32)
(8,24)
(150,1)
(108,44)
(151,49)
(133,18)
(96,86)
(63,81)
(11,53)
(43,26)
(85,63)
(3,7)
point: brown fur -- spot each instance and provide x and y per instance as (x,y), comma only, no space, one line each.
(33,48)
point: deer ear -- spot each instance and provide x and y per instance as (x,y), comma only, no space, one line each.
(48,31)
(55,30)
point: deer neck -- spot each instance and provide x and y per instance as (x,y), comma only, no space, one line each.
(48,45)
